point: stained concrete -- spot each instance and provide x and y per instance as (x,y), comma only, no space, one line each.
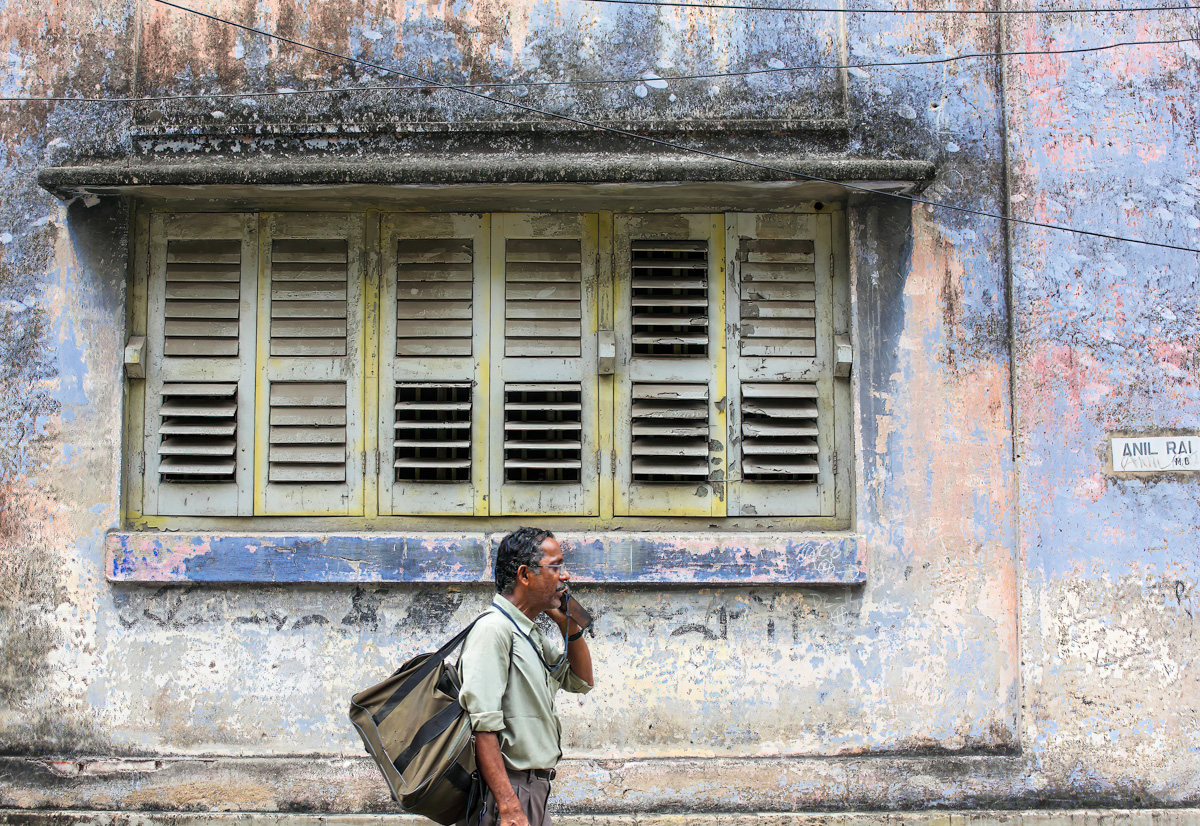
(1026,632)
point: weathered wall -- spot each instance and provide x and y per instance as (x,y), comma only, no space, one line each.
(1106,340)
(932,685)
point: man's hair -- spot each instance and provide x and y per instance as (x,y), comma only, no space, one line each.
(521,547)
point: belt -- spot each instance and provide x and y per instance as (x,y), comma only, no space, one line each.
(533,774)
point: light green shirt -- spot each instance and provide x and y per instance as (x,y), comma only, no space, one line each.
(518,702)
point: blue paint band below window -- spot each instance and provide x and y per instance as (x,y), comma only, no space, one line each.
(591,557)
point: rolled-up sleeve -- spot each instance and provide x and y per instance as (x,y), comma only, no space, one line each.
(567,679)
(484,664)
(572,682)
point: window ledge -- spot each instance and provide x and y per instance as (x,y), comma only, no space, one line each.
(619,558)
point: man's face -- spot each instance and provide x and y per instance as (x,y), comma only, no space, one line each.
(549,580)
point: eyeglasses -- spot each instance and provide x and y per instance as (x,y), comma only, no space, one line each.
(556,568)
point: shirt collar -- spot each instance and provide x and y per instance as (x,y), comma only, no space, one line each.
(523,622)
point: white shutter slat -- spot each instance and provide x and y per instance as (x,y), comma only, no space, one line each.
(778,291)
(298,433)
(211,272)
(442,328)
(542,271)
(433,347)
(206,428)
(433,310)
(201,309)
(441,251)
(284,310)
(177,469)
(202,348)
(434,291)
(299,328)
(533,291)
(431,269)
(759,273)
(300,274)
(434,464)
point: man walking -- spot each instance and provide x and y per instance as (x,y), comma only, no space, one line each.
(511,672)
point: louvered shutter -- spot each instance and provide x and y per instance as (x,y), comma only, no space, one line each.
(670,381)
(309,424)
(200,365)
(781,353)
(433,377)
(543,446)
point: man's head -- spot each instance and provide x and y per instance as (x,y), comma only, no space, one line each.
(521,547)
(529,564)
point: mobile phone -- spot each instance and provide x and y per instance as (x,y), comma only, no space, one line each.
(576,611)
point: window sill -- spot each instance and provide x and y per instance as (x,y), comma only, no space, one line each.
(594,557)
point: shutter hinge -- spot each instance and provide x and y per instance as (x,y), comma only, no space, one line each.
(139,462)
(835,463)
(378,462)
(831,265)
(613,456)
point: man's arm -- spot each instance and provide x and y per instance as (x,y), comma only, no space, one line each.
(578,653)
(491,766)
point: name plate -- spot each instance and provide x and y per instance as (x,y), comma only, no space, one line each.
(1155,454)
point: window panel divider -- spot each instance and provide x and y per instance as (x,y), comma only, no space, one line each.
(370,388)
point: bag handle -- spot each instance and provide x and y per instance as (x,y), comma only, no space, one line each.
(424,670)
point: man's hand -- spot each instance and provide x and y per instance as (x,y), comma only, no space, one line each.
(560,618)
(578,654)
(512,815)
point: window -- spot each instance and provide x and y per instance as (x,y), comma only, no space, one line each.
(596,366)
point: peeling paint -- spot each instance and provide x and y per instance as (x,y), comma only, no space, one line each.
(1005,625)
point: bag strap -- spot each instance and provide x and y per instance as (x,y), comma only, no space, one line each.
(426,734)
(424,670)
(534,646)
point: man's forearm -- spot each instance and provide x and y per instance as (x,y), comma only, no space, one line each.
(491,766)
(580,658)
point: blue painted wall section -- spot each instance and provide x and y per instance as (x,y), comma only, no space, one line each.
(467,558)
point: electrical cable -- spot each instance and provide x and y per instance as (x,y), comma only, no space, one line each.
(741,7)
(669,144)
(876,64)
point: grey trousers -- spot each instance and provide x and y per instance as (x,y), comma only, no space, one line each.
(533,790)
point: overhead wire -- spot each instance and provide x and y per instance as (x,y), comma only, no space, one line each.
(827,10)
(465,90)
(644,78)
